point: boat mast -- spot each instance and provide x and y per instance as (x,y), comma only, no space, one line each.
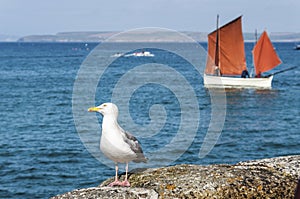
(217,44)
(255,36)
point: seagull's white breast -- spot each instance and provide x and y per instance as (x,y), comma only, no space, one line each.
(112,144)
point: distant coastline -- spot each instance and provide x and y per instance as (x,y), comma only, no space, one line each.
(100,36)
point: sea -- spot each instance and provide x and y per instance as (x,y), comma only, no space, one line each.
(50,143)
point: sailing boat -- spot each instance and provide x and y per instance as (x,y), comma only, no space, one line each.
(226,62)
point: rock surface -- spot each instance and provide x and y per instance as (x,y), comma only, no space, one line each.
(266,178)
(110,192)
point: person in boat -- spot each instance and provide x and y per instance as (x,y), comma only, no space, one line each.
(218,71)
(245,74)
(258,75)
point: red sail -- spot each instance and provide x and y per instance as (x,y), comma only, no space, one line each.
(264,56)
(231,55)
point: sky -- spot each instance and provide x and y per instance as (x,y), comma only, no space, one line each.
(28,17)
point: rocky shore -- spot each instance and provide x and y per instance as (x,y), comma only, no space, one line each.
(266,178)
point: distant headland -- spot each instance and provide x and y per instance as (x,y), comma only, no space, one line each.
(100,36)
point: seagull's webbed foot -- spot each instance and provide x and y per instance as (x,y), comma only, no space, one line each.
(125,183)
(116,183)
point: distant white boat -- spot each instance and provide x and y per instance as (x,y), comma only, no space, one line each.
(297,47)
(143,54)
(140,54)
(226,62)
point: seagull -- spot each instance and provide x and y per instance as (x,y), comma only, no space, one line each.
(117,144)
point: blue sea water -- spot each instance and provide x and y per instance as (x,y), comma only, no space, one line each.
(42,155)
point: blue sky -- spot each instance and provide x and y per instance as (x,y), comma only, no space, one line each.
(25,17)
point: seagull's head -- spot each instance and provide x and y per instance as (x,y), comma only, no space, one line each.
(105,109)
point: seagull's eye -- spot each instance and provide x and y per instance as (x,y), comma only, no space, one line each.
(104,105)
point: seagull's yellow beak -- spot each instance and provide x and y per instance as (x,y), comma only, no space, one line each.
(94,109)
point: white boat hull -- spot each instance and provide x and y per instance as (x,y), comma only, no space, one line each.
(211,81)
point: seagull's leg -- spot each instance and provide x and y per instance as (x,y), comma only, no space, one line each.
(125,183)
(116,182)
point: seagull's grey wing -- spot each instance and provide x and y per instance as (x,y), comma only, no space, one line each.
(134,146)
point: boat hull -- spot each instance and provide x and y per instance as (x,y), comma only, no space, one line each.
(211,81)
